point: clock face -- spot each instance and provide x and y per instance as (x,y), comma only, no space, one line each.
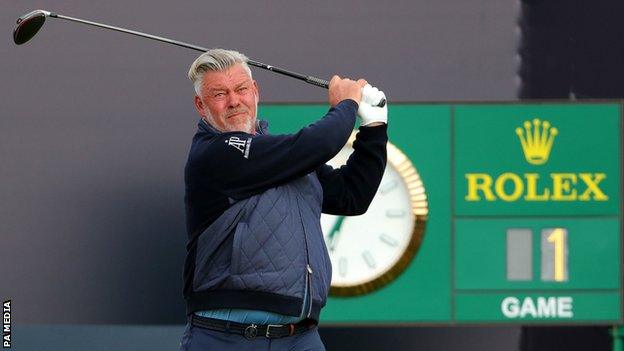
(370,250)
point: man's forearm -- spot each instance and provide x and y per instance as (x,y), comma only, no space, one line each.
(349,190)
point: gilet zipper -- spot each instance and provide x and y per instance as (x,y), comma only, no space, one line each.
(308,267)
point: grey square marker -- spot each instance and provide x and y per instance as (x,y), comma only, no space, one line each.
(519,254)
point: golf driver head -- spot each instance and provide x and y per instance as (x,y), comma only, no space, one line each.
(28,25)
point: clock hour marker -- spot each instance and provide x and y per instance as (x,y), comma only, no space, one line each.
(342,266)
(388,187)
(395,213)
(388,240)
(370,261)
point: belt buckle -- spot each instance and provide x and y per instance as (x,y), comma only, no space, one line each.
(269,327)
(251,331)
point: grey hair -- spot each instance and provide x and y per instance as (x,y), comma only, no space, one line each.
(215,60)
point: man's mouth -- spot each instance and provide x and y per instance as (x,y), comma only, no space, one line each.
(236,113)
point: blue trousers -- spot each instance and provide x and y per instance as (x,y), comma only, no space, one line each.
(201,339)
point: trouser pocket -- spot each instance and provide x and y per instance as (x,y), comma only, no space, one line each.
(185,341)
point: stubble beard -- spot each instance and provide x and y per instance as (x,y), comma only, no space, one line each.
(248,126)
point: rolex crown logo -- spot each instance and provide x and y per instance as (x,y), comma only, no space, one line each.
(536,142)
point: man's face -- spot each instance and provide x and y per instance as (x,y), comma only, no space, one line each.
(229,100)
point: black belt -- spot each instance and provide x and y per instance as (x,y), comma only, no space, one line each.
(250,331)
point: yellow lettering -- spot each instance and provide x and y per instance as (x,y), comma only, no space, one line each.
(476,182)
(592,186)
(532,189)
(510,187)
(562,190)
(558,239)
(518,188)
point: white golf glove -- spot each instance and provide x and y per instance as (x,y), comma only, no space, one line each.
(368,110)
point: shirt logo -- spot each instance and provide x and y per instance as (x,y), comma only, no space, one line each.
(242,145)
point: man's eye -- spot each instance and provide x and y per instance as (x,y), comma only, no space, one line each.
(242,89)
(219,95)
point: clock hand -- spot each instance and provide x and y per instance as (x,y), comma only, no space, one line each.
(335,230)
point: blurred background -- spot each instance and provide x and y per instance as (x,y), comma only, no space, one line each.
(96,127)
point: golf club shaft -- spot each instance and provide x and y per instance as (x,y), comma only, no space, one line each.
(308,79)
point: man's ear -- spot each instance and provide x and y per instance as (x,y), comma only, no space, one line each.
(199,106)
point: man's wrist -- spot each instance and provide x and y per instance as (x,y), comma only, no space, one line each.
(374,124)
(351,101)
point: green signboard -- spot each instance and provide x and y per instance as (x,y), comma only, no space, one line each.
(487,213)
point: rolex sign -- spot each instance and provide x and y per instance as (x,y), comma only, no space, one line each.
(537,160)
(537,215)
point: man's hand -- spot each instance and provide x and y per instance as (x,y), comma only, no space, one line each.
(344,88)
(370,114)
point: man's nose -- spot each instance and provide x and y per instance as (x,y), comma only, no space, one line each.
(234,100)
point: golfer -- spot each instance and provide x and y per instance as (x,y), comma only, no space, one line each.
(257,272)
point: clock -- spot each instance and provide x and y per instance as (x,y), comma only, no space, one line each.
(369,251)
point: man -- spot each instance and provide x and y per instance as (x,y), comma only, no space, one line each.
(257,271)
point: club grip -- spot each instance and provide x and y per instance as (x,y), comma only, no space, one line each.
(318,82)
(325,84)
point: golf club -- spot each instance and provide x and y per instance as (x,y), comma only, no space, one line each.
(29,24)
